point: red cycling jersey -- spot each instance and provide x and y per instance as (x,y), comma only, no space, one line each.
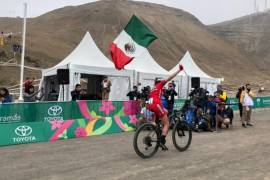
(155,104)
(155,94)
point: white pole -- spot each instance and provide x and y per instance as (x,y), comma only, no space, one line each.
(255,6)
(23,52)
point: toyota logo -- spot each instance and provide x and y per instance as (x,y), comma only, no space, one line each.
(23,131)
(55,110)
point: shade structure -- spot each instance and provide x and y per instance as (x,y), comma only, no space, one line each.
(193,70)
(147,69)
(87,59)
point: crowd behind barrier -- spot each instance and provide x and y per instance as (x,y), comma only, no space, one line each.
(47,111)
(48,121)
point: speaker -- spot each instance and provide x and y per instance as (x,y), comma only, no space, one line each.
(63,76)
(195,82)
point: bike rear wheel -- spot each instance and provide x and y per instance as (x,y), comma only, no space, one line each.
(181,136)
(146,140)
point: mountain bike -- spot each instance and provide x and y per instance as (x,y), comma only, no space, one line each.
(147,138)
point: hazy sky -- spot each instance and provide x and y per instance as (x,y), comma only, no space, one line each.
(208,11)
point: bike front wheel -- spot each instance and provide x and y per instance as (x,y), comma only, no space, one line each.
(145,140)
(181,136)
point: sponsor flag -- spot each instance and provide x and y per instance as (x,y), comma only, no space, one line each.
(131,42)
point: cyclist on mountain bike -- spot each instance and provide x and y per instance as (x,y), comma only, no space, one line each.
(155,104)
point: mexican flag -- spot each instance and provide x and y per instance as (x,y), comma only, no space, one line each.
(131,42)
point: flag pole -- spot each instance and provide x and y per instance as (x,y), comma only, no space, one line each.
(23,53)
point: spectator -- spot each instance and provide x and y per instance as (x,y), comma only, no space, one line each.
(134,95)
(220,104)
(199,97)
(84,95)
(4,96)
(222,94)
(247,103)
(193,93)
(164,98)
(171,94)
(31,96)
(146,116)
(211,111)
(221,120)
(145,93)
(203,121)
(238,96)
(76,94)
(28,82)
(228,113)
(106,88)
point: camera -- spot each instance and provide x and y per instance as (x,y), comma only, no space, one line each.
(145,93)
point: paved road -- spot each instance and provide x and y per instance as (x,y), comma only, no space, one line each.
(232,154)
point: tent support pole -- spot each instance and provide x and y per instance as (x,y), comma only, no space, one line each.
(188,77)
(63,93)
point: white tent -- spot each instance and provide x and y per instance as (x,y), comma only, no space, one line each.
(87,61)
(147,69)
(193,70)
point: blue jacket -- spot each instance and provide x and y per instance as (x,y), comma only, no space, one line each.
(212,107)
(7,99)
(164,102)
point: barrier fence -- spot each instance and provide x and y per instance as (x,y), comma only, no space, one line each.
(259,102)
(38,122)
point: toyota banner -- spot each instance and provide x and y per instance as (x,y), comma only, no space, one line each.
(35,112)
(21,133)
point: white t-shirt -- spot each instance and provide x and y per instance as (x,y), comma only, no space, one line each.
(148,115)
(248,100)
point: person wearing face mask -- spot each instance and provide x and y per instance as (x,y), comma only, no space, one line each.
(247,103)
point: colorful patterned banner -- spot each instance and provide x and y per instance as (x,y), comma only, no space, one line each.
(39,122)
(104,117)
(41,112)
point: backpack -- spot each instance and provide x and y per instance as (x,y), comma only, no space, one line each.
(190,115)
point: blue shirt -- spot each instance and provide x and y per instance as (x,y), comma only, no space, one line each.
(212,107)
(7,99)
(164,102)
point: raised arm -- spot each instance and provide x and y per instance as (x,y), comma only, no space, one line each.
(31,95)
(181,68)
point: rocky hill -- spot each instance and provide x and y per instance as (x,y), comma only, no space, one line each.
(52,36)
(250,34)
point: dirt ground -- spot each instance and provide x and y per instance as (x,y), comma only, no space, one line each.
(237,153)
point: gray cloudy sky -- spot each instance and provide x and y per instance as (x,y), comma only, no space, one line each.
(208,11)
